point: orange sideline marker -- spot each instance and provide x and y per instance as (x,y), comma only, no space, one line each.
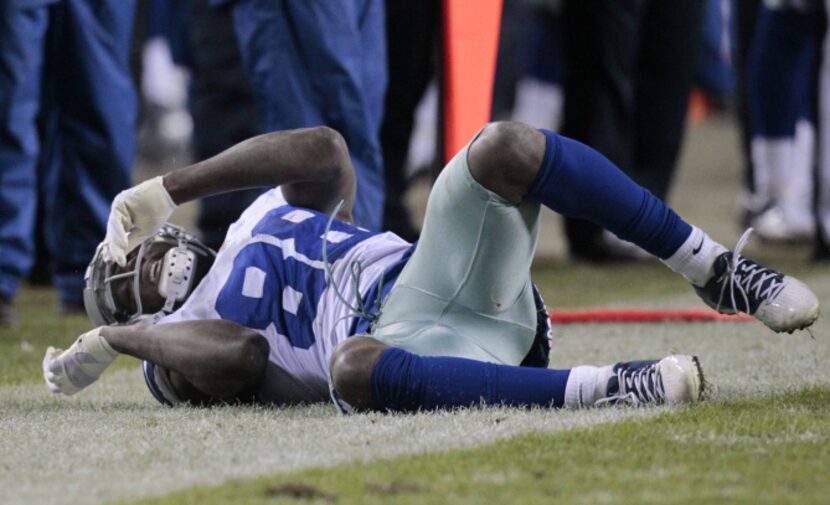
(471,38)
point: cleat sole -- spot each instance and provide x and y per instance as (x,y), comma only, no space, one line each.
(699,381)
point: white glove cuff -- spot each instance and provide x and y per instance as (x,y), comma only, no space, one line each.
(97,346)
(157,189)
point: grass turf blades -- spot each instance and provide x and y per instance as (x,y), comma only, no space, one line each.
(113,442)
(22,347)
(772,449)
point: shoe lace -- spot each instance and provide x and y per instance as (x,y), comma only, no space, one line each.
(748,279)
(643,385)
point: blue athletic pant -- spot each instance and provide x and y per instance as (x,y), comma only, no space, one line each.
(67,115)
(322,62)
(782,71)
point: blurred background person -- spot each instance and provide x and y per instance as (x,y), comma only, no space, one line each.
(413,39)
(321,62)
(223,108)
(516,35)
(715,76)
(67,114)
(538,96)
(745,16)
(821,249)
(196,100)
(781,77)
(410,131)
(629,70)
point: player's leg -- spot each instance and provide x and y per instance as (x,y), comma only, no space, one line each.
(89,159)
(370,375)
(22,38)
(513,161)
(460,303)
(519,162)
(307,62)
(780,98)
(466,291)
(577,181)
(822,244)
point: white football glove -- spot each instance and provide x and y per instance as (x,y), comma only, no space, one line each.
(79,366)
(136,214)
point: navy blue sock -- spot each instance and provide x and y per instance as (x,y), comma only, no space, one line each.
(780,75)
(577,181)
(406,382)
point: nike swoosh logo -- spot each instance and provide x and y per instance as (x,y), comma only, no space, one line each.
(697,249)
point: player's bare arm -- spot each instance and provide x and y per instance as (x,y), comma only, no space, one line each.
(205,361)
(311,165)
(237,356)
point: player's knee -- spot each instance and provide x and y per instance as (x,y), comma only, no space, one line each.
(506,157)
(351,370)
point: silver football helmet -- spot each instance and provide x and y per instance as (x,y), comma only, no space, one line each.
(182,264)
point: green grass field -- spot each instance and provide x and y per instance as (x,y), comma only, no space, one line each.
(23,347)
(766,450)
(762,436)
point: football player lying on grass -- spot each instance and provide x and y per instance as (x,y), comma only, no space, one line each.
(300,303)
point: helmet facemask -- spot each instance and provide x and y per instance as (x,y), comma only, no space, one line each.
(183,266)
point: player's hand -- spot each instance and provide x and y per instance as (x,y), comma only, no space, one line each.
(72,370)
(136,214)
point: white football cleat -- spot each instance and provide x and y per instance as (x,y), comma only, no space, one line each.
(672,380)
(781,302)
(775,226)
